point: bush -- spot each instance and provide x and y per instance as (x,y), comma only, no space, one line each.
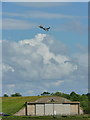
(16,95)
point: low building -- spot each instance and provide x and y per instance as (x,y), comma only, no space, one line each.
(51,106)
(43,109)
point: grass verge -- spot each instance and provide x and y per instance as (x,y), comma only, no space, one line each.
(78,117)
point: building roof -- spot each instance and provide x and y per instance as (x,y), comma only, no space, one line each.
(58,100)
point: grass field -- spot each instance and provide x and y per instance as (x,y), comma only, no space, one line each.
(11,105)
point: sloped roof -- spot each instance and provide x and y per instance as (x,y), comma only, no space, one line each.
(54,100)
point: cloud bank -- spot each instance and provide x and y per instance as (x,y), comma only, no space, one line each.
(38,64)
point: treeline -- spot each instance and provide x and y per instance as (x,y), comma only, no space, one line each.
(12,95)
(84,99)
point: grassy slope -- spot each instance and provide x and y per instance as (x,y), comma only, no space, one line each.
(11,105)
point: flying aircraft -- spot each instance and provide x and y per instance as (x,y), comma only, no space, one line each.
(46,29)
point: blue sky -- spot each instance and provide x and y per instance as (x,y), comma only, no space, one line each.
(28,49)
(76,27)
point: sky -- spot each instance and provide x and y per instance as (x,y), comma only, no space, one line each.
(33,60)
(45,0)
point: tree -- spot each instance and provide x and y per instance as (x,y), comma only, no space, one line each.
(16,95)
(88,95)
(45,93)
(74,96)
(73,93)
(65,95)
(5,95)
(57,94)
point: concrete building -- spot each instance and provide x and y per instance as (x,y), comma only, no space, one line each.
(41,109)
(50,106)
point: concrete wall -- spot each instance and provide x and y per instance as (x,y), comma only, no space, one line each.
(58,109)
(67,109)
(49,109)
(52,109)
(74,109)
(40,109)
(21,112)
(31,110)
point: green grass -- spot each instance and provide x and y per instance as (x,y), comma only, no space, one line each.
(79,117)
(11,105)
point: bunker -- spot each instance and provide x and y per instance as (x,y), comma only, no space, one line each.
(50,106)
(43,109)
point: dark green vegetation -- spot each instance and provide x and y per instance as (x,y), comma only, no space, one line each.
(79,117)
(16,95)
(13,95)
(84,99)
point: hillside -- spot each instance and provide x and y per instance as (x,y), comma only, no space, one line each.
(11,105)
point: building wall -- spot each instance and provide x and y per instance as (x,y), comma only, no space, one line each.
(58,109)
(66,109)
(52,109)
(31,110)
(74,109)
(48,109)
(61,109)
(40,109)
(21,112)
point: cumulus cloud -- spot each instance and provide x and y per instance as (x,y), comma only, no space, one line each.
(34,64)
(7,68)
(82,59)
(35,57)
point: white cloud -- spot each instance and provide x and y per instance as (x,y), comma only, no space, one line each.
(54,83)
(9,89)
(45,15)
(57,83)
(7,68)
(11,86)
(40,15)
(0,27)
(82,59)
(30,92)
(32,63)
(9,24)
(41,4)
(34,59)
(74,25)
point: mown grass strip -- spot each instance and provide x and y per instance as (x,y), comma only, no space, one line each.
(82,117)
